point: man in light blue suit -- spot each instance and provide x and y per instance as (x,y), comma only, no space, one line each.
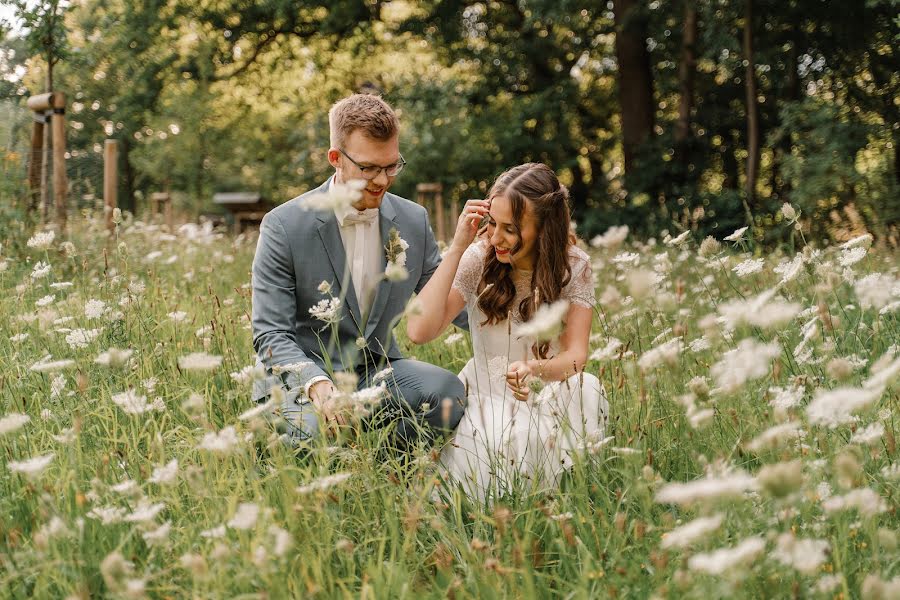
(299,249)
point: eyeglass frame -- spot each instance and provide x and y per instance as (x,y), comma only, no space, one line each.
(362,169)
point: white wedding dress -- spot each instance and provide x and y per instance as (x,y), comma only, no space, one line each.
(503,443)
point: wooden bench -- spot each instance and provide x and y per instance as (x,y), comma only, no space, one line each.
(246,208)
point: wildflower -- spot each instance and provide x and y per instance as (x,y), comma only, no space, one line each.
(666,352)
(395,272)
(41,240)
(749,266)
(805,555)
(338,197)
(383,374)
(65,436)
(680,239)
(875,588)
(199,361)
(836,407)
(45,300)
(691,532)
(107,514)
(19,337)
(327,310)
(158,536)
(865,500)
(261,409)
(325,287)
(863,241)
(546,322)
(736,236)
(612,239)
(750,360)
(727,559)
(31,467)
(760,311)
(781,479)
(145,512)
(296,367)
(868,435)
(165,474)
(706,489)
(641,283)
(827,583)
(789,212)
(249,374)
(94,309)
(852,256)
(45,365)
(57,386)
(131,403)
(282,540)
(81,338)
(13,422)
(609,351)
(114,358)
(884,371)
(775,436)
(222,442)
(710,246)
(245,516)
(323,483)
(178,316)
(876,290)
(454,338)
(625,259)
(214,533)
(115,569)
(789,270)
(41,269)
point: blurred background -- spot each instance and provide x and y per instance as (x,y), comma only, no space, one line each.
(659,115)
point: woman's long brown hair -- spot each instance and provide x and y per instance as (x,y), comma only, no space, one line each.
(531,186)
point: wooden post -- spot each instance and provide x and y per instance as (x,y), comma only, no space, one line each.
(39,105)
(110,180)
(60,180)
(432,193)
(170,221)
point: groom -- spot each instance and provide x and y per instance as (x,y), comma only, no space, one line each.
(300,249)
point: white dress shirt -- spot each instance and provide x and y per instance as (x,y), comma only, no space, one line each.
(361,235)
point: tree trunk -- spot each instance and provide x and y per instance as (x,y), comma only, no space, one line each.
(45,153)
(635,78)
(127,200)
(753,129)
(686,70)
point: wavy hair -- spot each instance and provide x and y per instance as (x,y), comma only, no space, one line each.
(533,187)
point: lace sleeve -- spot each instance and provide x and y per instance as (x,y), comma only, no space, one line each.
(469,272)
(580,289)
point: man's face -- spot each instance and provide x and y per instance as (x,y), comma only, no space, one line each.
(367,152)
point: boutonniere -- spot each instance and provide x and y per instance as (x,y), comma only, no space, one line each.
(395,251)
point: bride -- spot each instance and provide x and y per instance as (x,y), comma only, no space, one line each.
(530,403)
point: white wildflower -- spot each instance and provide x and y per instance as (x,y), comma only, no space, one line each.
(762,311)
(789,270)
(666,352)
(222,442)
(868,435)
(65,436)
(395,271)
(876,290)
(131,403)
(725,560)
(323,483)
(261,409)
(680,239)
(165,474)
(45,365)
(249,374)
(178,316)
(41,269)
(19,337)
(158,536)
(338,197)
(282,541)
(107,514)
(31,467)
(865,500)
(776,436)
(327,310)
(81,338)
(454,338)
(789,212)
(749,267)
(145,512)
(836,407)
(626,259)
(13,422)
(691,532)
(608,352)
(45,300)
(546,322)
(41,240)
(114,358)
(731,485)
(245,516)
(214,533)
(199,361)
(805,555)
(736,236)
(851,256)
(612,239)
(750,360)
(94,309)
(862,241)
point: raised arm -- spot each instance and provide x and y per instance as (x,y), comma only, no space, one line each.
(439,303)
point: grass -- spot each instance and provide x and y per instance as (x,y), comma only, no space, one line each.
(380,533)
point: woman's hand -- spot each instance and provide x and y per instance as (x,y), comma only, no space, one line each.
(467,225)
(518,375)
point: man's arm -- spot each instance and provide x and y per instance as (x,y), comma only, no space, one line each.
(430,265)
(275,305)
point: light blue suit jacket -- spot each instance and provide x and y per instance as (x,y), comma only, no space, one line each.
(298,250)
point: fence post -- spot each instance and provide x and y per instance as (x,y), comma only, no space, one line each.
(432,193)
(110,180)
(60,180)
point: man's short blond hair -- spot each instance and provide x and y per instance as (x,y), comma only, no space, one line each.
(366,112)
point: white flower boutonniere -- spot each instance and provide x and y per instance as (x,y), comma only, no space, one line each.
(396,257)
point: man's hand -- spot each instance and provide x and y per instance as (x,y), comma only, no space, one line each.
(517,377)
(322,395)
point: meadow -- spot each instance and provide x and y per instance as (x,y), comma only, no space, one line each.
(751,451)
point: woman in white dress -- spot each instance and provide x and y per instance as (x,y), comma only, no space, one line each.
(531,406)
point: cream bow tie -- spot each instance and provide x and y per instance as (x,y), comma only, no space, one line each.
(360,216)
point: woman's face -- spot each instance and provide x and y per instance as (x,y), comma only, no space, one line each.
(503,236)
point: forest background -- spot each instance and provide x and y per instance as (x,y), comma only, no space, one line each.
(660,115)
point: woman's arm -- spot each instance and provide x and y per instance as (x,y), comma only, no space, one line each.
(438,302)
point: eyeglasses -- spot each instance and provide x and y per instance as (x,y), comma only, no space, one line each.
(373,171)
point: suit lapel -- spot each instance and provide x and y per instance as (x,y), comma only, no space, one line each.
(330,234)
(386,221)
